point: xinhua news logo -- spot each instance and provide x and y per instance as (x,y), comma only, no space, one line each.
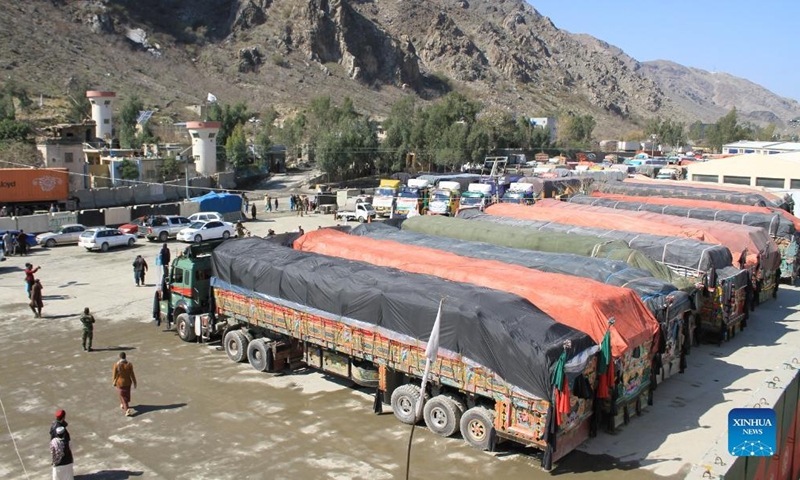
(752,432)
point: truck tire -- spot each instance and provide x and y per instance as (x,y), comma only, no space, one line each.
(162,237)
(185,328)
(260,355)
(236,346)
(404,403)
(442,415)
(477,427)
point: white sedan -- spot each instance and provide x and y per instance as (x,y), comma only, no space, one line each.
(199,231)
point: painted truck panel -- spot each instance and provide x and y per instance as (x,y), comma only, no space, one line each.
(18,185)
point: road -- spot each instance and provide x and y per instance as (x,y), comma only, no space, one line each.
(200,416)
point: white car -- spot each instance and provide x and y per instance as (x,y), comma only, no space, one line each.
(104,238)
(199,231)
(206,217)
(64,235)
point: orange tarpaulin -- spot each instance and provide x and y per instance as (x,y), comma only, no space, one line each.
(691,202)
(580,303)
(761,249)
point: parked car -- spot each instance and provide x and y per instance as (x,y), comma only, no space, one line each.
(135,227)
(64,235)
(104,238)
(31,238)
(199,231)
(163,227)
(206,217)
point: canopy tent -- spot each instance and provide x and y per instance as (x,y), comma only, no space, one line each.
(583,304)
(749,245)
(773,223)
(545,242)
(693,202)
(501,331)
(691,257)
(219,202)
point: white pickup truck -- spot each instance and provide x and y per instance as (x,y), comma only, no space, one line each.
(360,211)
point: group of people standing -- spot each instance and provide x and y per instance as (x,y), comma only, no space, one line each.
(301,204)
(15,244)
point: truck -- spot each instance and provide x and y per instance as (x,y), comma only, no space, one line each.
(381,344)
(521,193)
(478,196)
(164,227)
(356,209)
(623,146)
(445,198)
(384,197)
(413,196)
(26,190)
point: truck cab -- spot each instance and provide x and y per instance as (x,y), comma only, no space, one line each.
(478,196)
(445,199)
(384,197)
(414,196)
(186,288)
(521,193)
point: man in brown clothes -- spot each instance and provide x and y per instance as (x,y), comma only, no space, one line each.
(122,378)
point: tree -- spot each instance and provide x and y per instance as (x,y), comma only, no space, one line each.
(236,147)
(80,108)
(14,154)
(7,110)
(727,130)
(292,133)
(398,126)
(263,142)
(767,133)
(128,114)
(668,132)
(170,168)
(578,130)
(346,149)
(697,131)
(13,130)
(229,117)
(529,136)
(128,170)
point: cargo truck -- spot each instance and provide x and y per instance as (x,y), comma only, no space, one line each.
(445,199)
(478,196)
(372,332)
(519,192)
(384,197)
(413,197)
(25,190)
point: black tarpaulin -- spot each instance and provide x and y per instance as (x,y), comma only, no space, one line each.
(668,190)
(503,332)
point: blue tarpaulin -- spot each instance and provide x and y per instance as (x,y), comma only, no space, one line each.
(219,202)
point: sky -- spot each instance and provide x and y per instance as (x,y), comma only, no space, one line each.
(758,39)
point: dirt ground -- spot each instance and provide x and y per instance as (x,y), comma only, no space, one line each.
(200,416)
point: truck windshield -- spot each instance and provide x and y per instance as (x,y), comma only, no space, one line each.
(408,194)
(442,196)
(470,200)
(384,192)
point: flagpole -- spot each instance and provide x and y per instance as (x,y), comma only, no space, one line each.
(431,351)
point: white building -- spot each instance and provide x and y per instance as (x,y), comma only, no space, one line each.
(547,123)
(204,145)
(102,109)
(765,148)
(776,171)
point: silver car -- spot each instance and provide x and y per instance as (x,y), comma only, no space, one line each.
(64,235)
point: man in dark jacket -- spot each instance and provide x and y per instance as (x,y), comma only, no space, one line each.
(87,319)
(60,421)
(139,269)
(22,242)
(164,258)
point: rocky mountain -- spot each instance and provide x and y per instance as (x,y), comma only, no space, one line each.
(171,53)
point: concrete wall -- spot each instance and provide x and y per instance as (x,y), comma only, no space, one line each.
(117,215)
(781,392)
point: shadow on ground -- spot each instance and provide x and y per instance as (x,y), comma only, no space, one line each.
(110,475)
(142,409)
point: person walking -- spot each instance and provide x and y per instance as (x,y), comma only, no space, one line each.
(29,278)
(22,242)
(36,303)
(87,319)
(124,378)
(139,269)
(8,244)
(241,232)
(301,231)
(253,211)
(267,203)
(164,257)
(291,203)
(61,455)
(276,204)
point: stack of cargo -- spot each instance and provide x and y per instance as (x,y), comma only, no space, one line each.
(751,247)
(718,193)
(780,224)
(722,299)
(672,308)
(594,308)
(496,350)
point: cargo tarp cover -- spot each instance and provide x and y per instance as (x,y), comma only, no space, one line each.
(693,202)
(544,242)
(755,242)
(501,331)
(772,198)
(773,223)
(652,291)
(684,253)
(662,189)
(219,202)
(581,303)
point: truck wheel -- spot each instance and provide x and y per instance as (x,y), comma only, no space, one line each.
(260,356)
(442,415)
(477,426)
(162,237)
(404,403)
(185,328)
(236,346)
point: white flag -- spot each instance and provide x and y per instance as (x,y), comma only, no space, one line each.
(433,343)
(211,98)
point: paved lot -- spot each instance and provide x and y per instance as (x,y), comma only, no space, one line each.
(201,416)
